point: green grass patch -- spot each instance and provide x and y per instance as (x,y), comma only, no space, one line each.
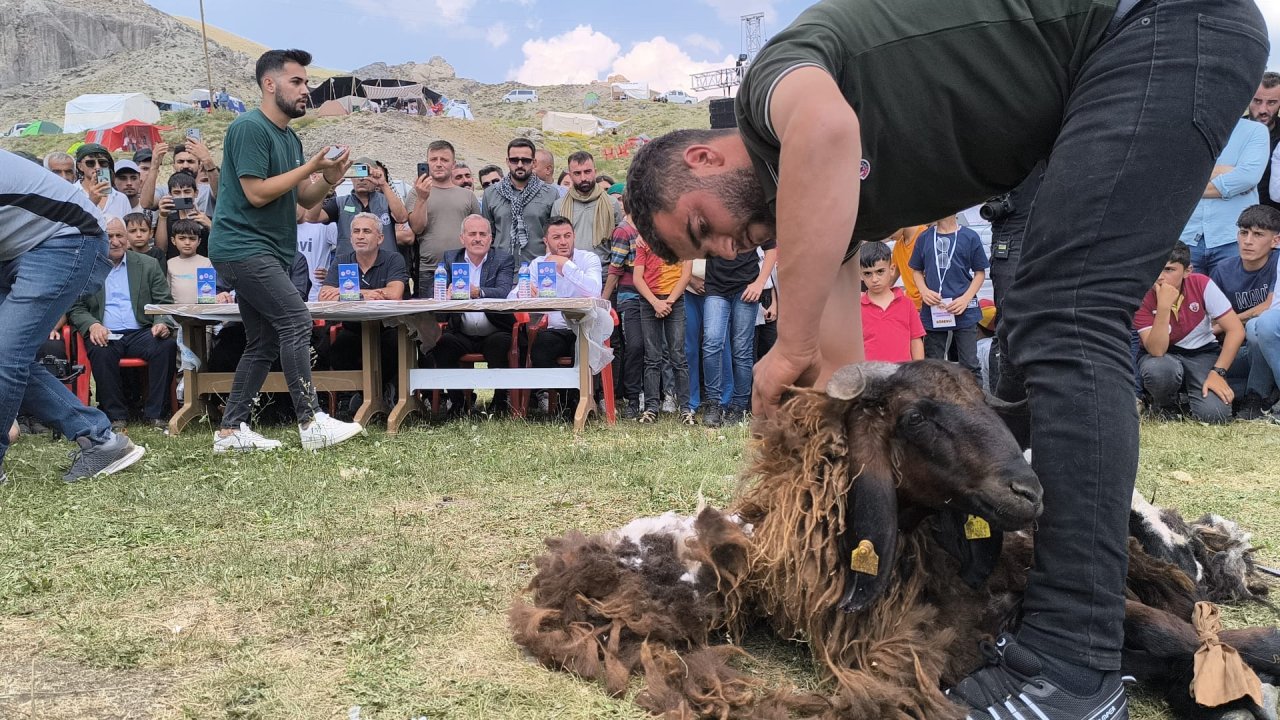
(297,585)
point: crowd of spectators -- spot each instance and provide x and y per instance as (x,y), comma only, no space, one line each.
(1206,341)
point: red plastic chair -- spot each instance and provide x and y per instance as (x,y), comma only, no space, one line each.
(470,360)
(83,355)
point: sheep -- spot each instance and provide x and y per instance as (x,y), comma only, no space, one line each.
(892,611)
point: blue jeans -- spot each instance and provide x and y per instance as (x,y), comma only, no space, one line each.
(1204,259)
(693,352)
(735,320)
(1147,115)
(1263,333)
(36,288)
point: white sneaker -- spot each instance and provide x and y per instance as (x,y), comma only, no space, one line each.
(668,403)
(325,431)
(242,440)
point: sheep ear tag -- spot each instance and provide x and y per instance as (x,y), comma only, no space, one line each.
(971,540)
(870,540)
(864,559)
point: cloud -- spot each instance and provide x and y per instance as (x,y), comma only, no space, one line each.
(453,11)
(497,35)
(578,56)
(663,64)
(698,40)
(415,15)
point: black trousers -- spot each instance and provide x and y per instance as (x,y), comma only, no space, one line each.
(345,352)
(1147,116)
(161,355)
(494,346)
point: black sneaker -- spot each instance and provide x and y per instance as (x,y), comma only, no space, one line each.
(712,416)
(648,417)
(1250,407)
(1011,686)
(109,457)
(632,410)
(734,415)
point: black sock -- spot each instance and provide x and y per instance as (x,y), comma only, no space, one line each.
(1078,680)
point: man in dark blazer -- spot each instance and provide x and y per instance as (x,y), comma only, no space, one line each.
(115,326)
(492,276)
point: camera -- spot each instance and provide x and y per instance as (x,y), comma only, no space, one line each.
(423,169)
(62,370)
(359,170)
(184,203)
(194,133)
(104,175)
(996,208)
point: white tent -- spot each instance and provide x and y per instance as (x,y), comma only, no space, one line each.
(93,111)
(632,90)
(459,109)
(560,122)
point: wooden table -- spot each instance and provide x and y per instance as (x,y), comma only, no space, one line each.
(418,314)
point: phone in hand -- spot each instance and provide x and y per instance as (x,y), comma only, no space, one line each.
(184,203)
(335,152)
(194,133)
(104,175)
(423,169)
(359,170)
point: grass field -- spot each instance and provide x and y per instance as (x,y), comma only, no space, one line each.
(298,585)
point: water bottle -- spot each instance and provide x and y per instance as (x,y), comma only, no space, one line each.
(442,284)
(523,290)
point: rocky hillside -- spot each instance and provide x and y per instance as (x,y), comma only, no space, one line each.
(53,50)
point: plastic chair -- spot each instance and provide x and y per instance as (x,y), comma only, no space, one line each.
(606,375)
(83,355)
(470,359)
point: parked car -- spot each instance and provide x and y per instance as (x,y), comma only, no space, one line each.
(678,97)
(16,130)
(521,96)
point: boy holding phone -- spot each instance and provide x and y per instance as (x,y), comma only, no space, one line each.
(180,204)
(253,244)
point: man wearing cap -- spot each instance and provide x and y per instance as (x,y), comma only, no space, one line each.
(128,182)
(373,195)
(90,158)
(594,213)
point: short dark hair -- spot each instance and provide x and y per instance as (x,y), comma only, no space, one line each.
(1270,79)
(1180,255)
(523,142)
(558,220)
(386,173)
(179,148)
(186,227)
(563,175)
(442,145)
(488,169)
(873,252)
(273,60)
(580,157)
(1260,216)
(608,179)
(136,219)
(181,179)
(658,177)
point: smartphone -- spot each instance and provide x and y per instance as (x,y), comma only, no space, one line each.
(184,203)
(423,169)
(104,175)
(359,170)
(194,133)
(335,152)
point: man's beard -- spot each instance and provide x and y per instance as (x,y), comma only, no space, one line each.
(743,198)
(520,174)
(289,109)
(584,187)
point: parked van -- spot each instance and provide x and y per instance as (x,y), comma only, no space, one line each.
(521,96)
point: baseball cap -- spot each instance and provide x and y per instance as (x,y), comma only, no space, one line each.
(142,155)
(123,165)
(367,161)
(88,149)
(617,188)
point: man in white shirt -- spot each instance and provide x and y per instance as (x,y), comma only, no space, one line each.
(91,158)
(318,243)
(578,274)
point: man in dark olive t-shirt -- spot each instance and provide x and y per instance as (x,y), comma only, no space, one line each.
(252,246)
(866,116)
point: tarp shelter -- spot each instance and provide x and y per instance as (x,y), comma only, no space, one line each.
(173,105)
(458,109)
(631,90)
(200,98)
(341,106)
(41,127)
(560,122)
(132,136)
(88,112)
(336,88)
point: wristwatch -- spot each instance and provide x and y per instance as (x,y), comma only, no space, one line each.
(1220,371)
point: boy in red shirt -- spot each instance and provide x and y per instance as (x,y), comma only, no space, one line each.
(891,327)
(1175,324)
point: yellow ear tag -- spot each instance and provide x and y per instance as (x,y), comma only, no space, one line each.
(975,528)
(864,559)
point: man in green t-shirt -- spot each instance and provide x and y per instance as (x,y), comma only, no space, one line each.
(884,114)
(253,242)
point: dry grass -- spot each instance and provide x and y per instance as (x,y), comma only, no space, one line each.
(297,586)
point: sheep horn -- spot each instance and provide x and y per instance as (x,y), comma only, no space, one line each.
(851,381)
(999,405)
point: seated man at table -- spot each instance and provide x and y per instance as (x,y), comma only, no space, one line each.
(115,326)
(578,275)
(383,276)
(492,275)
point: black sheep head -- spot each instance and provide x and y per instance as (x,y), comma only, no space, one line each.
(922,438)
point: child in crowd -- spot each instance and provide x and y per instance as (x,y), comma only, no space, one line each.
(182,269)
(182,187)
(948,265)
(891,327)
(1175,323)
(662,319)
(1249,282)
(138,230)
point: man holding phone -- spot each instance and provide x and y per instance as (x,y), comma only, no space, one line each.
(191,156)
(439,208)
(253,245)
(371,192)
(96,169)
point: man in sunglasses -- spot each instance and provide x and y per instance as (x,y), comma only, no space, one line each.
(490,175)
(519,206)
(90,158)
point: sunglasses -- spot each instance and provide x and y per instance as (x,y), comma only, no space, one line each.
(94,162)
(520,161)
(491,182)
